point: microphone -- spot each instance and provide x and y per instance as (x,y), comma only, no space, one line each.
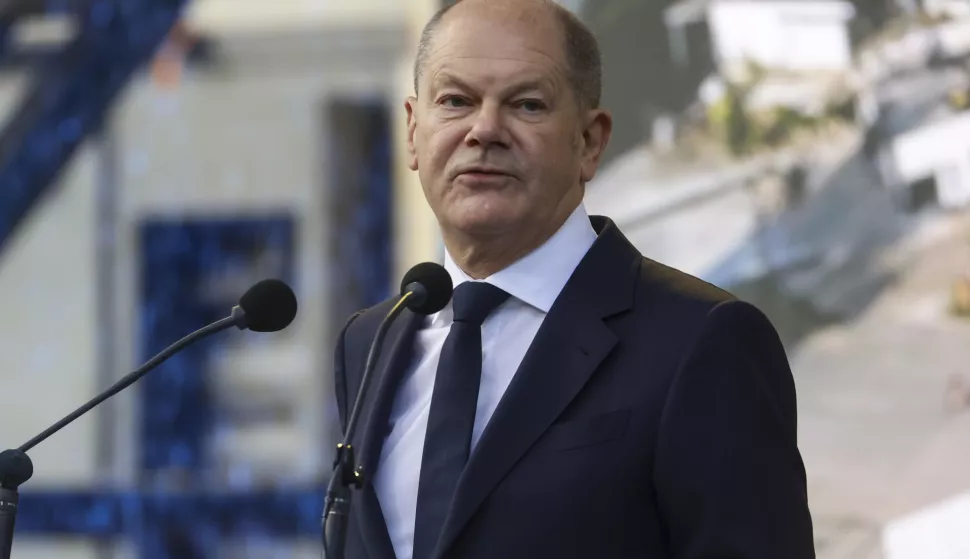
(267,306)
(425,290)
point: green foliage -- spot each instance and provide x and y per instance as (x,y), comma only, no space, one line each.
(744,132)
(741,135)
(783,123)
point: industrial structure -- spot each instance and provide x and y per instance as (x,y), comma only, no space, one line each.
(158,157)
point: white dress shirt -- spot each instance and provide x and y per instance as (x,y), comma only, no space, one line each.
(534,283)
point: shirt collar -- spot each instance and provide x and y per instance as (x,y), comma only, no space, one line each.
(539,277)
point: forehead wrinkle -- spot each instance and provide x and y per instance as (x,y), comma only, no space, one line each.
(444,62)
(516,84)
(519,42)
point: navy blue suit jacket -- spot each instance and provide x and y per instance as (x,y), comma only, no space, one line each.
(653,417)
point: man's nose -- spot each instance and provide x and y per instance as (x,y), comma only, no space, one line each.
(488,128)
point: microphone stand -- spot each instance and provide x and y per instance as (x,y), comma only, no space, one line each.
(16,467)
(346,474)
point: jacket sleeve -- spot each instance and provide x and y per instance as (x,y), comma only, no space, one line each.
(728,472)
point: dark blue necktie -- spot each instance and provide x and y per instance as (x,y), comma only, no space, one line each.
(453,403)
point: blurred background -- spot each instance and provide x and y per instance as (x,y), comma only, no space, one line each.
(158,156)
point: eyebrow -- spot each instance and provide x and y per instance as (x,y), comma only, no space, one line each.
(444,80)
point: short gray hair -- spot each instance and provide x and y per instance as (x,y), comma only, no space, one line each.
(582,51)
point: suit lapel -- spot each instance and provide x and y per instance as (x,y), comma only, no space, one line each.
(567,350)
(390,370)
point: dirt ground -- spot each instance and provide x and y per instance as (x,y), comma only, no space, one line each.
(884,420)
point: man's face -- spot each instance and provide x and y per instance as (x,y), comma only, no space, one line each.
(496,134)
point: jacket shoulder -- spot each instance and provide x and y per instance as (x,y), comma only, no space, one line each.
(352,345)
(364,323)
(677,290)
(683,307)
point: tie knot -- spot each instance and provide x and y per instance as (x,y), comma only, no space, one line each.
(473,301)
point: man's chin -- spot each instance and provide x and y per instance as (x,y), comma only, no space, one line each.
(485,225)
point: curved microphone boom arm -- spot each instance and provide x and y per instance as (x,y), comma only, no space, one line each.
(346,473)
(425,290)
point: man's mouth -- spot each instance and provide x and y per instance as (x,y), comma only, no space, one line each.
(483,172)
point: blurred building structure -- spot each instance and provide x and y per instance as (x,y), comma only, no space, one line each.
(947,8)
(731,36)
(273,155)
(931,163)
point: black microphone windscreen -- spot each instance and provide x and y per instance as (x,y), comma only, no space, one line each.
(270,306)
(431,285)
(16,468)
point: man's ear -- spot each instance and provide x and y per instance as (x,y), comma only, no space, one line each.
(410,105)
(596,136)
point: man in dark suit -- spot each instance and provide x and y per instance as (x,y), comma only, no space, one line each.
(574,399)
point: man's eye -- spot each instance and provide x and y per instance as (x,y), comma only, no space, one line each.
(531,105)
(452,101)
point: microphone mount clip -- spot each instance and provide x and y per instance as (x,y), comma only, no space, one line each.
(345,467)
